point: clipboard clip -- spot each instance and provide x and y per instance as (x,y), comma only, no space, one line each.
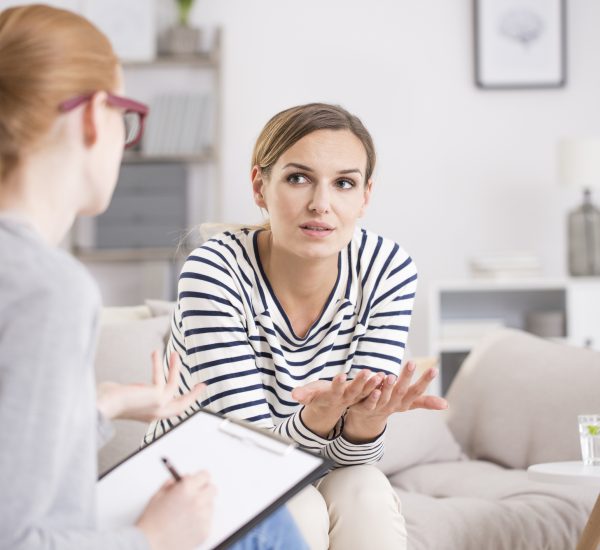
(258,437)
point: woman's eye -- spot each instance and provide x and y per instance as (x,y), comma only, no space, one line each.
(345,184)
(296,178)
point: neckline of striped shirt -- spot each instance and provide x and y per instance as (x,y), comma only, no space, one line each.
(277,313)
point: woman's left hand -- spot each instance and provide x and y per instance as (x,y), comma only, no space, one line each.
(367,419)
(147,402)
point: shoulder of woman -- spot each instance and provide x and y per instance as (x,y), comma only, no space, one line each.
(390,254)
(59,291)
(225,248)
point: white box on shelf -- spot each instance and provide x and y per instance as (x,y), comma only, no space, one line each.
(465,328)
(462,335)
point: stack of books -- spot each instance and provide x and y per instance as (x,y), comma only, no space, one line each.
(178,125)
(456,334)
(506,266)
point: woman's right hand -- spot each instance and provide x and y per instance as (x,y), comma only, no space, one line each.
(325,402)
(179,515)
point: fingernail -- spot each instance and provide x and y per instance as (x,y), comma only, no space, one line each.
(410,367)
(390,379)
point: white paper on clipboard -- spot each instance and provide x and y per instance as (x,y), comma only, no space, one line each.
(250,469)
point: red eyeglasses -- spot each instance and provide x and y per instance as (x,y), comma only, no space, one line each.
(134,114)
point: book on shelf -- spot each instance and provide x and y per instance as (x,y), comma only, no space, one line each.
(502,266)
(178,125)
(464,333)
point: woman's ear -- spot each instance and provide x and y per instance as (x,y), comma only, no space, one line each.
(366,198)
(258,186)
(91,118)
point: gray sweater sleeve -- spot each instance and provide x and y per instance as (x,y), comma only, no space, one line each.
(48,419)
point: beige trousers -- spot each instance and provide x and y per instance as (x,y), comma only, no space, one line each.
(352,508)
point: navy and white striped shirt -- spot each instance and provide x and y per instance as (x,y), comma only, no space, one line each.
(231,333)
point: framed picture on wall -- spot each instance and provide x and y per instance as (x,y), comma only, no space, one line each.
(520,43)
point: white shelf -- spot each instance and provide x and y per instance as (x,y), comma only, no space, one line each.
(509,301)
(487,285)
(140,158)
(167,254)
(199,60)
(466,345)
(456,346)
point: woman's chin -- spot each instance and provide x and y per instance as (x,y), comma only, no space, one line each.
(95,209)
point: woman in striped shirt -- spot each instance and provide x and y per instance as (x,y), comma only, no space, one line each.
(300,326)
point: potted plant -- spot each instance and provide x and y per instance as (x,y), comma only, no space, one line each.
(182,38)
(184,7)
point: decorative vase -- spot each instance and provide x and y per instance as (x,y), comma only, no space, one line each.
(584,239)
(180,40)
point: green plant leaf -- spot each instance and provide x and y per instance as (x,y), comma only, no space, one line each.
(593,429)
(184,10)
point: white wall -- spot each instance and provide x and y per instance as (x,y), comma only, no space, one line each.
(461,171)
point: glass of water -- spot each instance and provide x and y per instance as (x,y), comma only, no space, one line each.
(589,433)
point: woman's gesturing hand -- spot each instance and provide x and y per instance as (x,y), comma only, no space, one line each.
(367,419)
(325,402)
(147,402)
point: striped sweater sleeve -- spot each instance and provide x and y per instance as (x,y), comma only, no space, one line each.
(381,349)
(209,333)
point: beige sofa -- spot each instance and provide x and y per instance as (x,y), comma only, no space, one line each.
(460,474)
(463,482)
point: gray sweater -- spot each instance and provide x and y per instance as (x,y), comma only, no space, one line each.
(49,429)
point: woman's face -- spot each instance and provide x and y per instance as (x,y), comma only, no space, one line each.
(315,193)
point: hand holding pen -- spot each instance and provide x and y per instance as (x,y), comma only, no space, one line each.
(192,495)
(171,469)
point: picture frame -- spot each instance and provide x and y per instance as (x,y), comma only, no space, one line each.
(520,44)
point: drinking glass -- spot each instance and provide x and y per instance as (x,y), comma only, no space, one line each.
(589,433)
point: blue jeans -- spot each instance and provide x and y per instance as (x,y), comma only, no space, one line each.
(277,532)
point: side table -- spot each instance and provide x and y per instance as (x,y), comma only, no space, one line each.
(574,473)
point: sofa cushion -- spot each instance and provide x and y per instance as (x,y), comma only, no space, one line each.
(473,505)
(125,313)
(124,355)
(516,398)
(158,308)
(418,437)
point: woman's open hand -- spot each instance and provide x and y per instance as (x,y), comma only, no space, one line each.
(147,402)
(367,419)
(325,402)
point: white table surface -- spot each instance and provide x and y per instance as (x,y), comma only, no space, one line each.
(574,473)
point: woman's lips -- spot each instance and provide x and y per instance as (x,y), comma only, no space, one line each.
(316,230)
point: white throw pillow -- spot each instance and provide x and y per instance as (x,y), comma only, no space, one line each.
(418,437)
(158,308)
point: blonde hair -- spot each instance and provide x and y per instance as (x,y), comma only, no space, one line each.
(47,55)
(291,125)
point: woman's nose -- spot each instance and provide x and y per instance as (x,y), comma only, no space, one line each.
(319,201)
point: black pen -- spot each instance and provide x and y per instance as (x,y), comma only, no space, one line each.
(171,469)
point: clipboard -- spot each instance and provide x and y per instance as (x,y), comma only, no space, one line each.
(254,471)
